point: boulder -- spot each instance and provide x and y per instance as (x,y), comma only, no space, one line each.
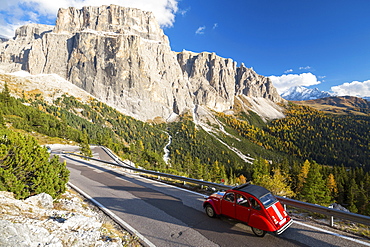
(42,200)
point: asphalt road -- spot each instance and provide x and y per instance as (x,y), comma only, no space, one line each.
(169,216)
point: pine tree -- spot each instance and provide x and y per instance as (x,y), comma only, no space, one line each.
(2,121)
(84,144)
(362,201)
(5,95)
(353,192)
(260,171)
(25,168)
(314,189)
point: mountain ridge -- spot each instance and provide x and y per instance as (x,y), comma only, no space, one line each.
(339,105)
(300,93)
(122,57)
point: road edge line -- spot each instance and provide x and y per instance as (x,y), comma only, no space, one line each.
(113,216)
(332,233)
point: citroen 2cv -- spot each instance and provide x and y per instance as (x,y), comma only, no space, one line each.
(252,205)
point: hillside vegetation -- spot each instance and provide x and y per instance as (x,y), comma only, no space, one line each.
(308,155)
(25,166)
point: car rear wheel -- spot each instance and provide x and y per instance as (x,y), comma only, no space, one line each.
(210,211)
(258,232)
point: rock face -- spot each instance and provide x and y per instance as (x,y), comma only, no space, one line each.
(122,57)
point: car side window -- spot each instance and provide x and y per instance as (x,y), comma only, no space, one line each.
(229,197)
(254,203)
(242,201)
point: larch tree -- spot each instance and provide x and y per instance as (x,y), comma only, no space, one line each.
(303,175)
(332,185)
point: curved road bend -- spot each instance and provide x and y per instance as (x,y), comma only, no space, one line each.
(168,216)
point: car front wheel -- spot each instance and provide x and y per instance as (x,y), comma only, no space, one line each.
(210,211)
(258,232)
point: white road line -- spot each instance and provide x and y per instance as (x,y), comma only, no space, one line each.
(114,216)
(332,233)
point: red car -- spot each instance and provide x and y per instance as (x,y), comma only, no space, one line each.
(251,204)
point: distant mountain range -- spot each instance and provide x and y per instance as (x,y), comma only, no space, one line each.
(339,105)
(3,39)
(299,93)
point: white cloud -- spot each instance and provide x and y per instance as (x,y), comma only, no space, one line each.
(17,12)
(288,71)
(305,68)
(215,26)
(200,30)
(284,82)
(355,88)
(183,12)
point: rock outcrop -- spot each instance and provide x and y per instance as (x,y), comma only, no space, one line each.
(122,57)
(37,221)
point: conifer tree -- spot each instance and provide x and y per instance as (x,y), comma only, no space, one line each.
(2,122)
(303,175)
(25,168)
(260,172)
(353,191)
(218,173)
(84,145)
(332,185)
(314,189)
(278,184)
(362,201)
(5,95)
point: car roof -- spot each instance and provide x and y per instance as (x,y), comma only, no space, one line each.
(252,189)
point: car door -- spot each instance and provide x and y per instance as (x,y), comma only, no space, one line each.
(228,204)
(242,208)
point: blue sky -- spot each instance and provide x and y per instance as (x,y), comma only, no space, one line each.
(324,44)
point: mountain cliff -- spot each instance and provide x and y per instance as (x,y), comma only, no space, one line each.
(122,57)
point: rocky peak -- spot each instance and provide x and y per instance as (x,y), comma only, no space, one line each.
(250,84)
(112,18)
(32,31)
(212,78)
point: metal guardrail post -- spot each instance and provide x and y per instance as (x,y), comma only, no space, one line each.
(286,201)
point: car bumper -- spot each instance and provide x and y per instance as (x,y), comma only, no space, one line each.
(281,230)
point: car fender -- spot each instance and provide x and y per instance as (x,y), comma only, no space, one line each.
(216,206)
(260,222)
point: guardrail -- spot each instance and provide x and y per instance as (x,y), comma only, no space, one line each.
(287,201)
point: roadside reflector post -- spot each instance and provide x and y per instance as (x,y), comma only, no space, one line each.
(331,221)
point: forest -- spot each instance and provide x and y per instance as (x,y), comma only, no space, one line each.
(308,155)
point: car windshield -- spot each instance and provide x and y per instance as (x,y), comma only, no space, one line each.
(268,199)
